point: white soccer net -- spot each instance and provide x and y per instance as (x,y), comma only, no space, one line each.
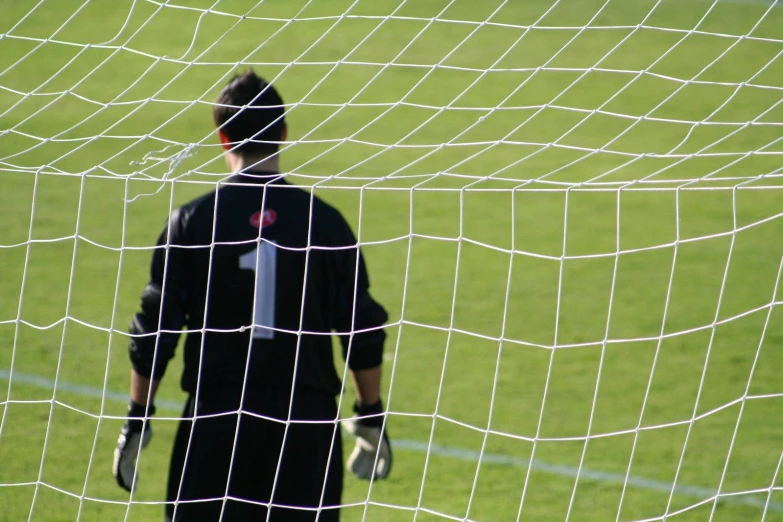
(571,209)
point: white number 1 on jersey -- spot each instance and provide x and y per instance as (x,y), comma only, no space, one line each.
(263,260)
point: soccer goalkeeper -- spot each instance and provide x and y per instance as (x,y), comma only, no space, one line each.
(261,274)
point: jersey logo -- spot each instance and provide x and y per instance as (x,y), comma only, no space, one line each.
(264,219)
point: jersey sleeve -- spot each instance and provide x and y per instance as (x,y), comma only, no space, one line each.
(156,328)
(358,318)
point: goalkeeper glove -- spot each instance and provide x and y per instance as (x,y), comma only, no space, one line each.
(372,456)
(135,433)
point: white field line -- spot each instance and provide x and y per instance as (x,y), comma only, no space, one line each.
(441,451)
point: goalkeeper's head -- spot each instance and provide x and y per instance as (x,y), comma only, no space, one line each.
(249,116)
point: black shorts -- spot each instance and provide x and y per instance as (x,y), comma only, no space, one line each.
(297,473)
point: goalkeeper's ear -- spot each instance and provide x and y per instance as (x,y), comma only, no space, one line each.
(224,140)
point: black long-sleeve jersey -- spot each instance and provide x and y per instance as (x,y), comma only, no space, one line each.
(261,274)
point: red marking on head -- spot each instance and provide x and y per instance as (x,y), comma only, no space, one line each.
(269,217)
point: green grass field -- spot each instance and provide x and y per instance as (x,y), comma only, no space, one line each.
(639,330)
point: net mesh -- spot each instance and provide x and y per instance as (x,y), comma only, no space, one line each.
(570,209)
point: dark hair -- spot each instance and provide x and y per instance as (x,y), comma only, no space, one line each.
(248,108)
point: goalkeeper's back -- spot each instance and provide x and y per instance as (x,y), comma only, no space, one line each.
(261,273)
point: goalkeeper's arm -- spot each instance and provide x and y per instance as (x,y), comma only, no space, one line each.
(359,320)
(363,352)
(143,389)
(367,383)
(155,331)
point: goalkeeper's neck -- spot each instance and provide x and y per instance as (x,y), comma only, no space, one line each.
(253,162)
